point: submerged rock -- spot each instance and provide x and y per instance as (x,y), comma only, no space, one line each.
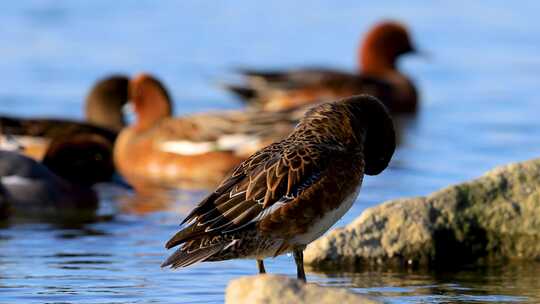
(493,218)
(270,289)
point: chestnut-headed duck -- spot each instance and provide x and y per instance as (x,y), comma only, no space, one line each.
(194,151)
(289,193)
(61,183)
(377,75)
(104,117)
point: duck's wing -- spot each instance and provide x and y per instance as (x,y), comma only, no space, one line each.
(268,180)
(225,131)
(260,83)
(274,90)
(50,128)
(291,78)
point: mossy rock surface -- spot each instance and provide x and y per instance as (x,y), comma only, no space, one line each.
(491,219)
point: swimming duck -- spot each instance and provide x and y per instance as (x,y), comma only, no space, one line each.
(61,183)
(103,117)
(377,75)
(193,151)
(288,194)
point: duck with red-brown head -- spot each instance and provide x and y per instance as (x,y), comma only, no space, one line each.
(377,75)
(142,151)
(378,54)
(382,46)
(151,101)
(192,151)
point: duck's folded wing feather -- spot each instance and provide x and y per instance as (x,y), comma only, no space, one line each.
(267,180)
(50,128)
(309,83)
(295,77)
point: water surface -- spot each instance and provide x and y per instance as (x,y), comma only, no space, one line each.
(480,109)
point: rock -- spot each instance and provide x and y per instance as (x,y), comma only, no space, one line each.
(493,218)
(270,289)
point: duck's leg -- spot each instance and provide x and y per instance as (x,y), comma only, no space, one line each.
(260,265)
(299,259)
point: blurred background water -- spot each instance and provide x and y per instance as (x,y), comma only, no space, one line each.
(479,109)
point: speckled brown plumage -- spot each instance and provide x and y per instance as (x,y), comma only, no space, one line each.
(377,75)
(272,202)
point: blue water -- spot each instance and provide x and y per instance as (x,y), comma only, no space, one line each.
(480,108)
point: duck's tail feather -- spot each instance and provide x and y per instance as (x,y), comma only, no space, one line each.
(184,258)
(247,94)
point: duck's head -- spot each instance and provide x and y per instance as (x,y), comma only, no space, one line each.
(84,159)
(150,100)
(371,121)
(382,46)
(106,100)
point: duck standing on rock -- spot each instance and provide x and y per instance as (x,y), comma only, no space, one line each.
(377,75)
(288,194)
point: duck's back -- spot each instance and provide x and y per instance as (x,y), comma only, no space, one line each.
(30,187)
(277,91)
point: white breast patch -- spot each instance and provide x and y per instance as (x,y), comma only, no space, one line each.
(329,219)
